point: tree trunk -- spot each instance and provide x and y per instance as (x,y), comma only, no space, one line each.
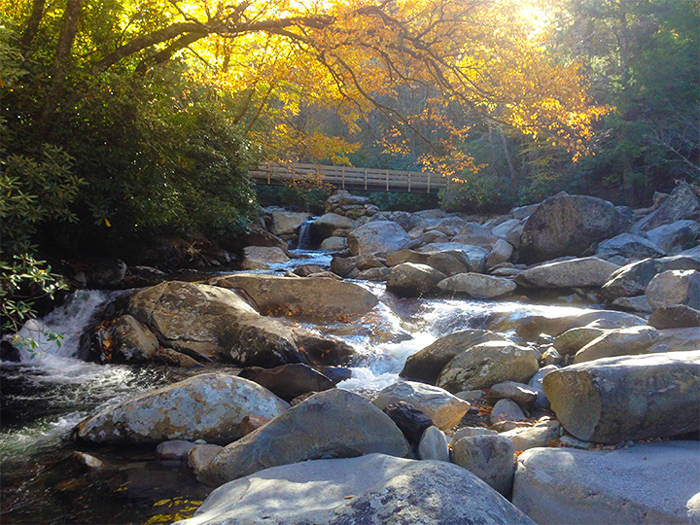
(32,27)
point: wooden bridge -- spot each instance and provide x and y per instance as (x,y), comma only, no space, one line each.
(350,178)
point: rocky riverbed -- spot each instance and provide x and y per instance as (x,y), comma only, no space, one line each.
(587,412)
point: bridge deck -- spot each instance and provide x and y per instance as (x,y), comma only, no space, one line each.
(348,177)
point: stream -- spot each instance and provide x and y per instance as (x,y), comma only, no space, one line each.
(46,394)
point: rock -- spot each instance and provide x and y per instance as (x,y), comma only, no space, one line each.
(335,423)
(613,343)
(376,237)
(131,341)
(403,256)
(258,237)
(174,358)
(629,246)
(206,406)
(536,384)
(411,421)
(674,287)
(288,381)
(307,269)
(325,351)
(521,393)
(678,339)
(307,298)
(88,461)
(106,273)
(369,490)
(478,285)
(638,304)
(530,328)
(633,279)
(433,445)
(471,431)
(531,437)
(506,410)
(448,263)
(374,274)
(675,316)
(426,364)
(486,364)
(444,409)
(325,225)
(506,228)
(476,256)
(500,253)
(175,449)
(628,398)
(334,244)
(568,225)
(287,222)
(674,237)
(490,458)
(564,485)
(261,257)
(551,357)
(571,341)
(413,280)
(523,212)
(576,273)
(470,396)
(200,456)
(252,422)
(680,205)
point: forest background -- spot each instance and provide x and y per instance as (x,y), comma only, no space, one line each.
(129,122)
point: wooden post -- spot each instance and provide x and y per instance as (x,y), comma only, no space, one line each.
(428,182)
(409,181)
(365,179)
(268,174)
(387,180)
(343,182)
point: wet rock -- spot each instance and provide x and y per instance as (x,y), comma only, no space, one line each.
(369,490)
(506,410)
(486,364)
(335,423)
(325,351)
(288,381)
(628,398)
(426,364)
(413,280)
(647,483)
(613,343)
(174,449)
(521,393)
(673,238)
(174,358)
(87,460)
(575,273)
(308,298)
(200,456)
(411,421)
(674,287)
(376,237)
(490,458)
(261,257)
(206,406)
(568,225)
(679,205)
(478,285)
(132,341)
(433,445)
(675,316)
(444,409)
(287,222)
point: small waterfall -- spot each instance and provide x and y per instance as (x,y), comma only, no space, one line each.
(305,235)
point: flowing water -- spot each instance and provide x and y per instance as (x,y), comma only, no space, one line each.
(45,395)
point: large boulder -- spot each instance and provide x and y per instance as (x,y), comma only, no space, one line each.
(486,364)
(629,246)
(262,257)
(288,381)
(626,398)
(442,407)
(587,271)
(377,237)
(675,316)
(207,406)
(568,225)
(646,483)
(674,287)
(330,223)
(477,285)
(530,328)
(680,205)
(623,341)
(413,280)
(370,490)
(426,364)
(674,237)
(131,341)
(335,423)
(632,280)
(211,323)
(287,222)
(490,458)
(317,298)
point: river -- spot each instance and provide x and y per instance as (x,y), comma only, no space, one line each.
(46,394)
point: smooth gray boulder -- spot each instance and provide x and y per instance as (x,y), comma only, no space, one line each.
(536,384)
(679,205)
(521,393)
(629,246)
(674,237)
(647,483)
(626,398)
(486,364)
(568,225)
(206,406)
(475,255)
(449,263)
(438,404)
(571,341)
(377,237)
(261,257)
(317,298)
(433,445)
(500,253)
(477,285)
(674,287)
(490,458)
(574,273)
(426,364)
(370,490)
(413,280)
(335,423)
(613,343)
(506,410)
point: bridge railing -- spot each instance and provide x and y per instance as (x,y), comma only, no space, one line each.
(351,177)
